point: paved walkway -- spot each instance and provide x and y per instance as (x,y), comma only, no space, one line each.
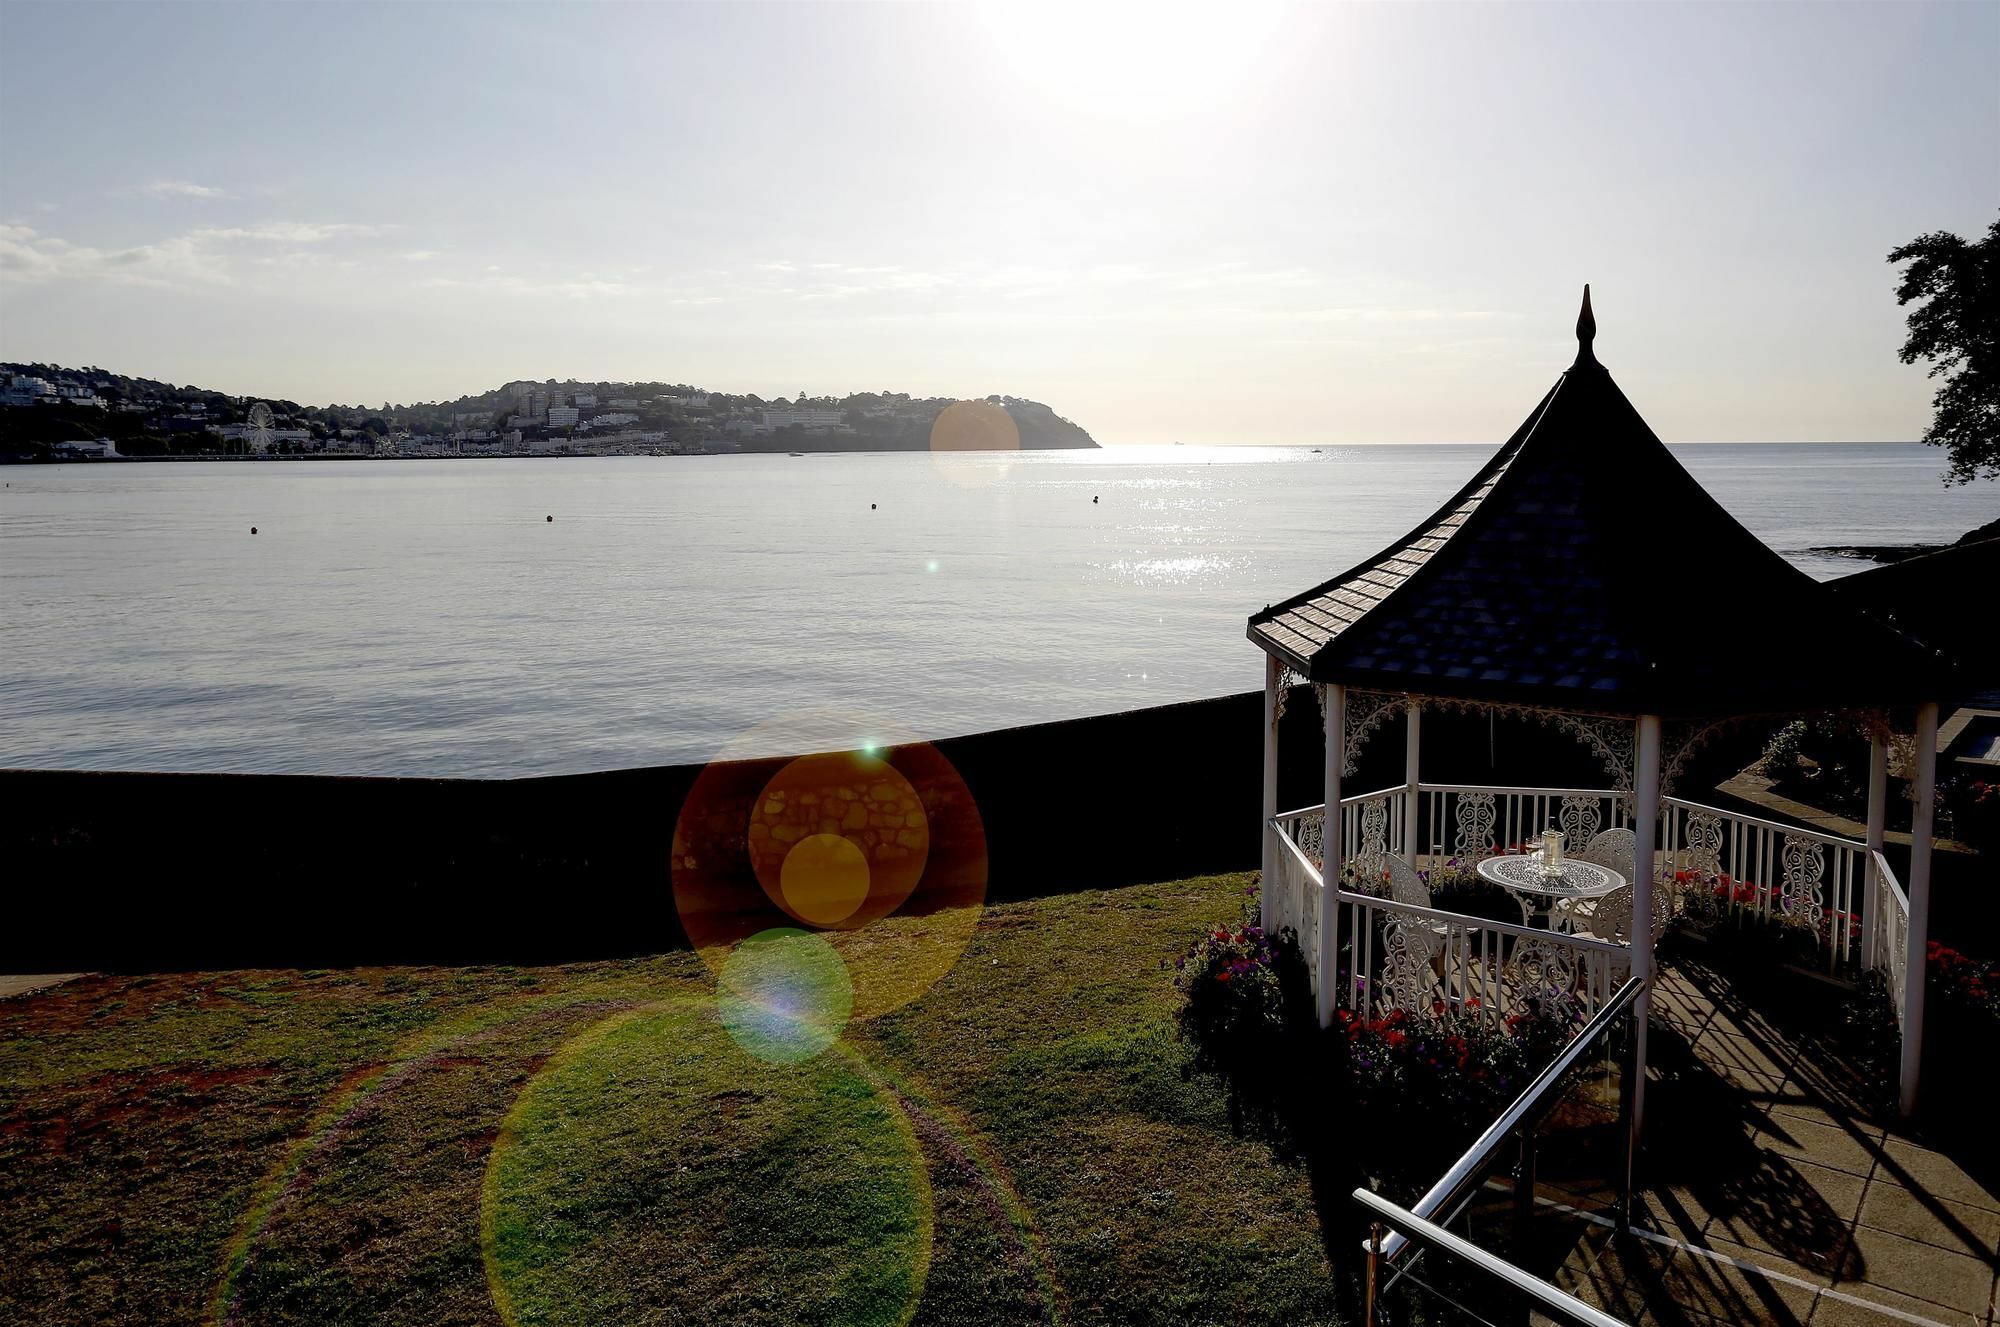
(1775,1195)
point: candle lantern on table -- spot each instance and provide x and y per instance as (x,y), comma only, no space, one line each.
(1552,851)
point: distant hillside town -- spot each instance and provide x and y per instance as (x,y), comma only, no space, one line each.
(52,413)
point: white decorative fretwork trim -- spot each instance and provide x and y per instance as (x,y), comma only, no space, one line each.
(1366,711)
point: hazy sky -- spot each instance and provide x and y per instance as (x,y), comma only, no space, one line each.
(1336,223)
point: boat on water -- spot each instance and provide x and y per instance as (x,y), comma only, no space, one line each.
(798,453)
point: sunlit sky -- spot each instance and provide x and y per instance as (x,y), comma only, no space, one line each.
(1326,224)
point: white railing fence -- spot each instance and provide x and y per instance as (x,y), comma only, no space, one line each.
(1411,958)
(1294,901)
(1471,822)
(1423,960)
(1843,900)
(1772,873)
(1888,934)
(1371,824)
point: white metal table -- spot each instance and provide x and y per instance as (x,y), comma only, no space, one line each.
(1538,890)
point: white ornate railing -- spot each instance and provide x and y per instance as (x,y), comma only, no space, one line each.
(1473,822)
(1887,941)
(1421,959)
(1371,824)
(1399,956)
(1773,872)
(1295,899)
(1825,885)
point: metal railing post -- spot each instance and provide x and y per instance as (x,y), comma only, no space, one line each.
(1628,1128)
(1524,1207)
(1374,1286)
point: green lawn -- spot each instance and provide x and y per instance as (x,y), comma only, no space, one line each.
(590,1144)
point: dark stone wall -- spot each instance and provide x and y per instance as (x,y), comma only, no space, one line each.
(160,871)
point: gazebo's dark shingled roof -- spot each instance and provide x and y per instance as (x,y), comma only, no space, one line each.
(1583,569)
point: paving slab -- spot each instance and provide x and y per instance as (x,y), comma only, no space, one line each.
(1846,1147)
(1923,1271)
(1919,1168)
(1772,1157)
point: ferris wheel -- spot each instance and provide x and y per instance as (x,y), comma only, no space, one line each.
(257,430)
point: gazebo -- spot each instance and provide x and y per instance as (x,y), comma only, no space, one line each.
(1584,579)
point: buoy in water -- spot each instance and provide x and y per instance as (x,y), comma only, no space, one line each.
(253,529)
(871,506)
(550,519)
(1093,499)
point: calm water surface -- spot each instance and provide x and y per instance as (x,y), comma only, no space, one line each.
(422,617)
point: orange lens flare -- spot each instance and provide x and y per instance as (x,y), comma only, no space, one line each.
(838,836)
(877,851)
(966,429)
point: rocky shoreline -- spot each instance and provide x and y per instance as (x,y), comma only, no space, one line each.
(1888,553)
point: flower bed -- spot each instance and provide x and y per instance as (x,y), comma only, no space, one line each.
(1418,1086)
(1234,1004)
(1963,987)
(1961,1018)
(1726,910)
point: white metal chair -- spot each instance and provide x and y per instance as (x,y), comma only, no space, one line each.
(1614,921)
(1405,885)
(1614,849)
(1412,945)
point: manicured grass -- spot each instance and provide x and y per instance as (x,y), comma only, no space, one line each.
(590,1144)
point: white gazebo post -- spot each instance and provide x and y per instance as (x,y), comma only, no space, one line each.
(1412,798)
(1878,817)
(1645,830)
(1267,899)
(1916,956)
(1333,702)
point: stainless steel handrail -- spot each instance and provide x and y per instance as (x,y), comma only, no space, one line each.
(1462,1180)
(1558,1304)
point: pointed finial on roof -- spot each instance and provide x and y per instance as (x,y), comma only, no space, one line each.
(1586,331)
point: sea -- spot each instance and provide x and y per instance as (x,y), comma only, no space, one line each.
(502,618)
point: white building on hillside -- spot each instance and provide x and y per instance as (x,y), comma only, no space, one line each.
(807,419)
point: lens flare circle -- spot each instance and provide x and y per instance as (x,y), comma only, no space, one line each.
(867,828)
(824,879)
(972,441)
(784,995)
(874,844)
(659,1101)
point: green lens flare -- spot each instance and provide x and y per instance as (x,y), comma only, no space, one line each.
(648,1163)
(785,995)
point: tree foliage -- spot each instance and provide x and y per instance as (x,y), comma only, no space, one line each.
(1956,326)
